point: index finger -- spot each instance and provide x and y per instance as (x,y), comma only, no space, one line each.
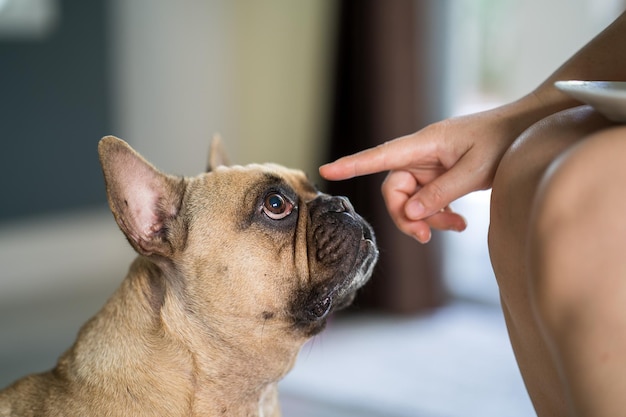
(385,157)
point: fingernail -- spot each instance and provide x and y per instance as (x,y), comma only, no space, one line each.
(414,210)
(425,238)
(462,225)
(322,169)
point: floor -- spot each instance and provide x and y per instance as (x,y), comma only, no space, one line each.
(454,362)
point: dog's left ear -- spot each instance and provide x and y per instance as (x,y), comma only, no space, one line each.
(217,154)
(144,201)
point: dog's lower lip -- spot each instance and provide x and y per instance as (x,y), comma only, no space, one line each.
(367,234)
(322,308)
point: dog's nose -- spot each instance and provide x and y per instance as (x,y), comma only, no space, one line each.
(341,204)
(330,204)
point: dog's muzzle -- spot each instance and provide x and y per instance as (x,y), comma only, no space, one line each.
(342,254)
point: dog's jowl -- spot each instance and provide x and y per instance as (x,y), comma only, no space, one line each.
(237,268)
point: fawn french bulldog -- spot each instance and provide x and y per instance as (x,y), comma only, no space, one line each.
(236,269)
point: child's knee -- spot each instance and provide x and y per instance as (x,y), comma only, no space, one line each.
(577,230)
(524,165)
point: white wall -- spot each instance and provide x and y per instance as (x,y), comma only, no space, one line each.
(257,72)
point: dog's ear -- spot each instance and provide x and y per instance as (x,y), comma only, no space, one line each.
(144,201)
(217,154)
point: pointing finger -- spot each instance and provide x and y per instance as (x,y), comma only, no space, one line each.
(384,157)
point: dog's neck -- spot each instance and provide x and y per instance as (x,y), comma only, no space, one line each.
(172,356)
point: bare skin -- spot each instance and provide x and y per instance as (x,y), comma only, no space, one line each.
(559,181)
(515,186)
(578,268)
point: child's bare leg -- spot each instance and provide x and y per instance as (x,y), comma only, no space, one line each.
(514,191)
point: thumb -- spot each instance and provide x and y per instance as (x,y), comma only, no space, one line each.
(422,205)
(437,195)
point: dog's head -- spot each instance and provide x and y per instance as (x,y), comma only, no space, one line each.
(254,253)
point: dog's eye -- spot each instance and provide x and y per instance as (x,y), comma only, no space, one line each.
(276,206)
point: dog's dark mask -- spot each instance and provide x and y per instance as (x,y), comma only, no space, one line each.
(341,253)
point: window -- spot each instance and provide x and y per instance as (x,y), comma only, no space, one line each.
(498,50)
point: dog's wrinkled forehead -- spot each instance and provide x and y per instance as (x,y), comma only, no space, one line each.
(266,176)
(297,180)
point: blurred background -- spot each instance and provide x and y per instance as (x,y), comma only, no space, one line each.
(293,82)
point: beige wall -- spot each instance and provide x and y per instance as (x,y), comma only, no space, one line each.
(257,72)
(281,66)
